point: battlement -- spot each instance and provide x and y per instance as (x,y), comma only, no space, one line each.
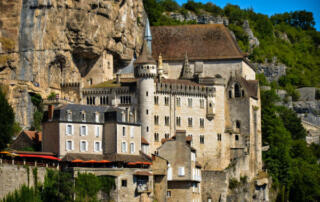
(146,70)
(184,87)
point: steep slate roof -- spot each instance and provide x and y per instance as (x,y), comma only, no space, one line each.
(201,42)
(145,57)
(251,86)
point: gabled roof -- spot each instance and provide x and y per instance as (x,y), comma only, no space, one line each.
(201,42)
(33,135)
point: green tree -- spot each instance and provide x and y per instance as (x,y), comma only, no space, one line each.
(6,121)
(87,187)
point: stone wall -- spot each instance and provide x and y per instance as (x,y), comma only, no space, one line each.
(14,176)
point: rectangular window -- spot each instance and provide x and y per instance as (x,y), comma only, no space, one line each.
(83,146)
(193,156)
(189,102)
(156,100)
(123,131)
(156,120)
(178,121)
(83,130)
(69,145)
(166,101)
(156,137)
(97,131)
(181,171)
(189,122)
(124,147)
(69,116)
(201,139)
(132,148)
(97,117)
(166,120)
(69,130)
(132,132)
(123,183)
(168,194)
(201,123)
(219,137)
(97,146)
(201,103)
(83,116)
(178,102)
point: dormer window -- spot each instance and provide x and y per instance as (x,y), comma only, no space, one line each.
(69,115)
(83,116)
(97,117)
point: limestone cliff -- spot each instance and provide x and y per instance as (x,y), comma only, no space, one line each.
(44,43)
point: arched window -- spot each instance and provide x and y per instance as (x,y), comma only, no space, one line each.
(237,137)
(237,90)
(242,93)
(230,94)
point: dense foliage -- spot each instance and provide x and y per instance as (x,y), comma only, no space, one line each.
(60,186)
(6,121)
(292,164)
(37,102)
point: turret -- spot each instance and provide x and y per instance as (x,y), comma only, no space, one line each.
(186,70)
(146,72)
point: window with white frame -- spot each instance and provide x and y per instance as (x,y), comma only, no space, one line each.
(181,171)
(123,147)
(69,129)
(97,131)
(83,130)
(69,116)
(132,132)
(97,117)
(132,149)
(83,145)
(97,146)
(69,145)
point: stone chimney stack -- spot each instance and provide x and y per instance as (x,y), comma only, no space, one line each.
(181,136)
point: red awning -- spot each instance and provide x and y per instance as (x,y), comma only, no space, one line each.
(40,156)
(104,161)
(77,161)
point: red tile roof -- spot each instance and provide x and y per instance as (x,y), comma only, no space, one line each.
(33,134)
(144,141)
(200,42)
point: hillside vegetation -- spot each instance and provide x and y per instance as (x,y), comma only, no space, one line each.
(288,38)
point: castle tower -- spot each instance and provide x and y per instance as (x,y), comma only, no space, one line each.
(146,72)
(186,70)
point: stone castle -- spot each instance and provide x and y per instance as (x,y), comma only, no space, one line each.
(190,81)
(191,78)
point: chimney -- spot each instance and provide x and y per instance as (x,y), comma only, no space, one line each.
(50,112)
(181,136)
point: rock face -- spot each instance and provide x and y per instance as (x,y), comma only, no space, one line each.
(253,41)
(48,42)
(272,71)
(201,19)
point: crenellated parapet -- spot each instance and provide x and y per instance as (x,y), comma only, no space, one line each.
(184,87)
(107,91)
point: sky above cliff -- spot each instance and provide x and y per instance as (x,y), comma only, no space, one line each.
(271,7)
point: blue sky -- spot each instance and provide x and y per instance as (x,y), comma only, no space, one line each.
(271,7)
